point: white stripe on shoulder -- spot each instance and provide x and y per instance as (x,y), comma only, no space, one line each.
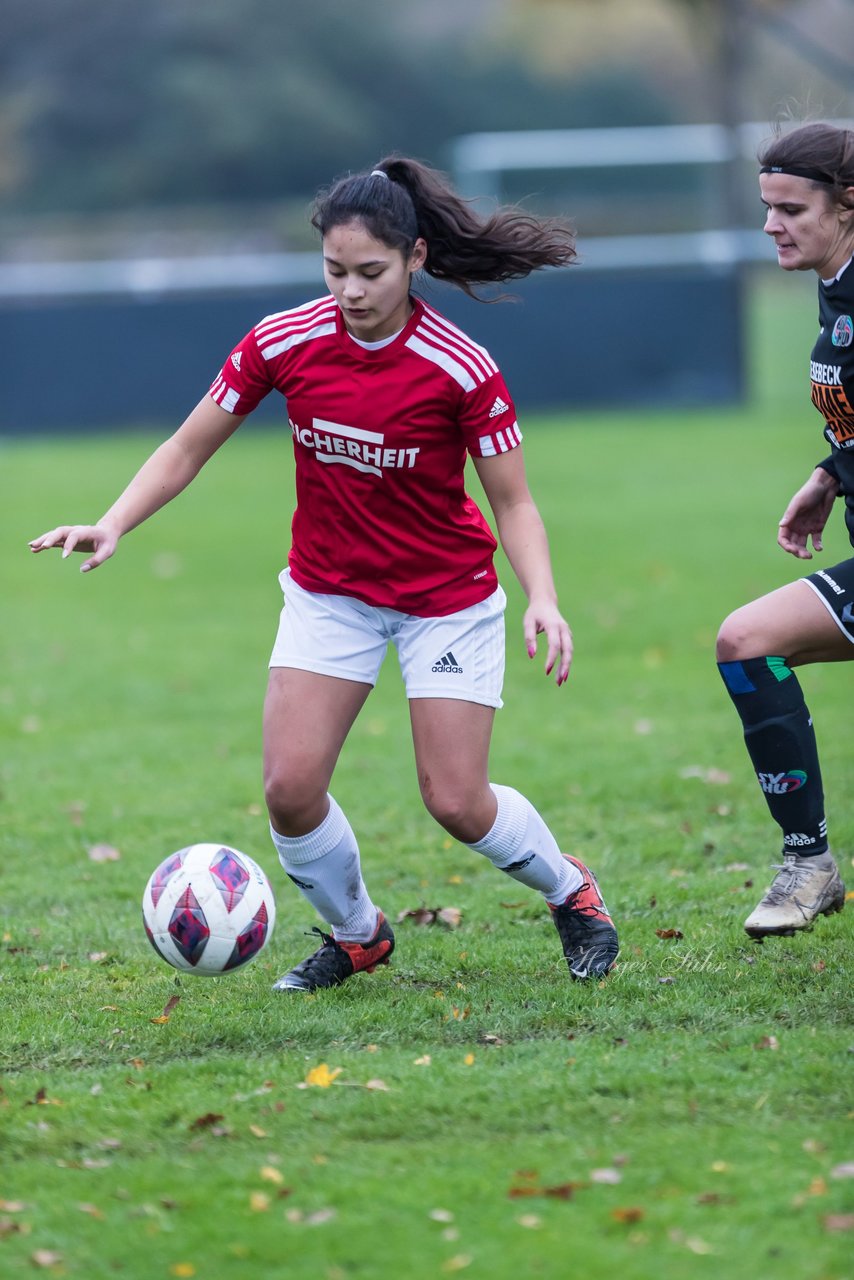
(462,355)
(457,371)
(453,334)
(286,329)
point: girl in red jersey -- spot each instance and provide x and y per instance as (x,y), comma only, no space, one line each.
(386,399)
(807,184)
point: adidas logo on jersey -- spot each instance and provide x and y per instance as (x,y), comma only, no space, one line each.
(498,407)
(447,665)
(236,358)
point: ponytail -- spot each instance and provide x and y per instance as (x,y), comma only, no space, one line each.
(400,200)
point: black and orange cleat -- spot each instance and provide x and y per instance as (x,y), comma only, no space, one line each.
(586,929)
(336,961)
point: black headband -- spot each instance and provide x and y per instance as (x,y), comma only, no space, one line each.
(800,171)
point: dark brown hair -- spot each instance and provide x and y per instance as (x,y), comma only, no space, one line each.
(821,147)
(400,200)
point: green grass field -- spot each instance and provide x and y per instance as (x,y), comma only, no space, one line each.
(689,1117)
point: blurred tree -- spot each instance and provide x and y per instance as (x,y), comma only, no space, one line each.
(174,102)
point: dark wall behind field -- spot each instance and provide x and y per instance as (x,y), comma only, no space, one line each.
(570,339)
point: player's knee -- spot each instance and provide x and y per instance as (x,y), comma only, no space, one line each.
(293,799)
(738,638)
(457,810)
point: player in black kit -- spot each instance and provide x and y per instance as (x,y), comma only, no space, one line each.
(807,186)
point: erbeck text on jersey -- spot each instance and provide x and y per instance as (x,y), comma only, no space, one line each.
(828,374)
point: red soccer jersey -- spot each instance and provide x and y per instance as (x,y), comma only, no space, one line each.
(380,441)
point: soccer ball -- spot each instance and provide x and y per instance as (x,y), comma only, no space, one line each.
(208,909)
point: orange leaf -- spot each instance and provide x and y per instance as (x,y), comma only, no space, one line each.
(669,933)
(629,1214)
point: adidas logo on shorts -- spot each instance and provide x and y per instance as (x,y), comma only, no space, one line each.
(447,665)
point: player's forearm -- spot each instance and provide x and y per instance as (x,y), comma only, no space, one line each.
(523,539)
(160,479)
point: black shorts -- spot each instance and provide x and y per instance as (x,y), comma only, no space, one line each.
(835,588)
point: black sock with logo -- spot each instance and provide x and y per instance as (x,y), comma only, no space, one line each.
(780,739)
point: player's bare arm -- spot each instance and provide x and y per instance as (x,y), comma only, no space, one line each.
(161,478)
(523,537)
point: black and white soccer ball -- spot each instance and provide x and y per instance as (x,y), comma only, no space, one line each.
(208,909)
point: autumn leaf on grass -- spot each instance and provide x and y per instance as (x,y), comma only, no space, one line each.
(838,1222)
(767,1042)
(448,916)
(669,933)
(631,1213)
(562,1191)
(42,1100)
(167,1010)
(46,1258)
(207,1121)
(103,853)
(320,1077)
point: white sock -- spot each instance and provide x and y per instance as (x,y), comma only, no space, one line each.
(324,865)
(521,844)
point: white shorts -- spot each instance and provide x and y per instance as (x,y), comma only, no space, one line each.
(458,656)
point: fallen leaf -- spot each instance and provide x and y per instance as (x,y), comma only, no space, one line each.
(320,1216)
(320,1077)
(377,1086)
(259,1202)
(423,1061)
(271,1174)
(103,853)
(165,1015)
(441,1215)
(257,1132)
(838,1222)
(631,1213)
(9,1227)
(768,1042)
(458,1263)
(45,1258)
(91,1209)
(608,1176)
(12,1206)
(182,1269)
(469,1059)
(669,933)
(838,1171)
(95,957)
(716,777)
(207,1120)
(530,1220)
(448,916)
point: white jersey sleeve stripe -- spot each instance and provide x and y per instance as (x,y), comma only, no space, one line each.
(294,339)
(307,312)
(460,340)
(445,361)
(466,354)
(502,442)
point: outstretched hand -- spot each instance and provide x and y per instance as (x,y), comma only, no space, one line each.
(85,538)
(806,515)
(545,619)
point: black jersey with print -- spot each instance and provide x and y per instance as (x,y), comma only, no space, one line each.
(832,378)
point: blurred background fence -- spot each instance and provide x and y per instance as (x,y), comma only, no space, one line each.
(158,164)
